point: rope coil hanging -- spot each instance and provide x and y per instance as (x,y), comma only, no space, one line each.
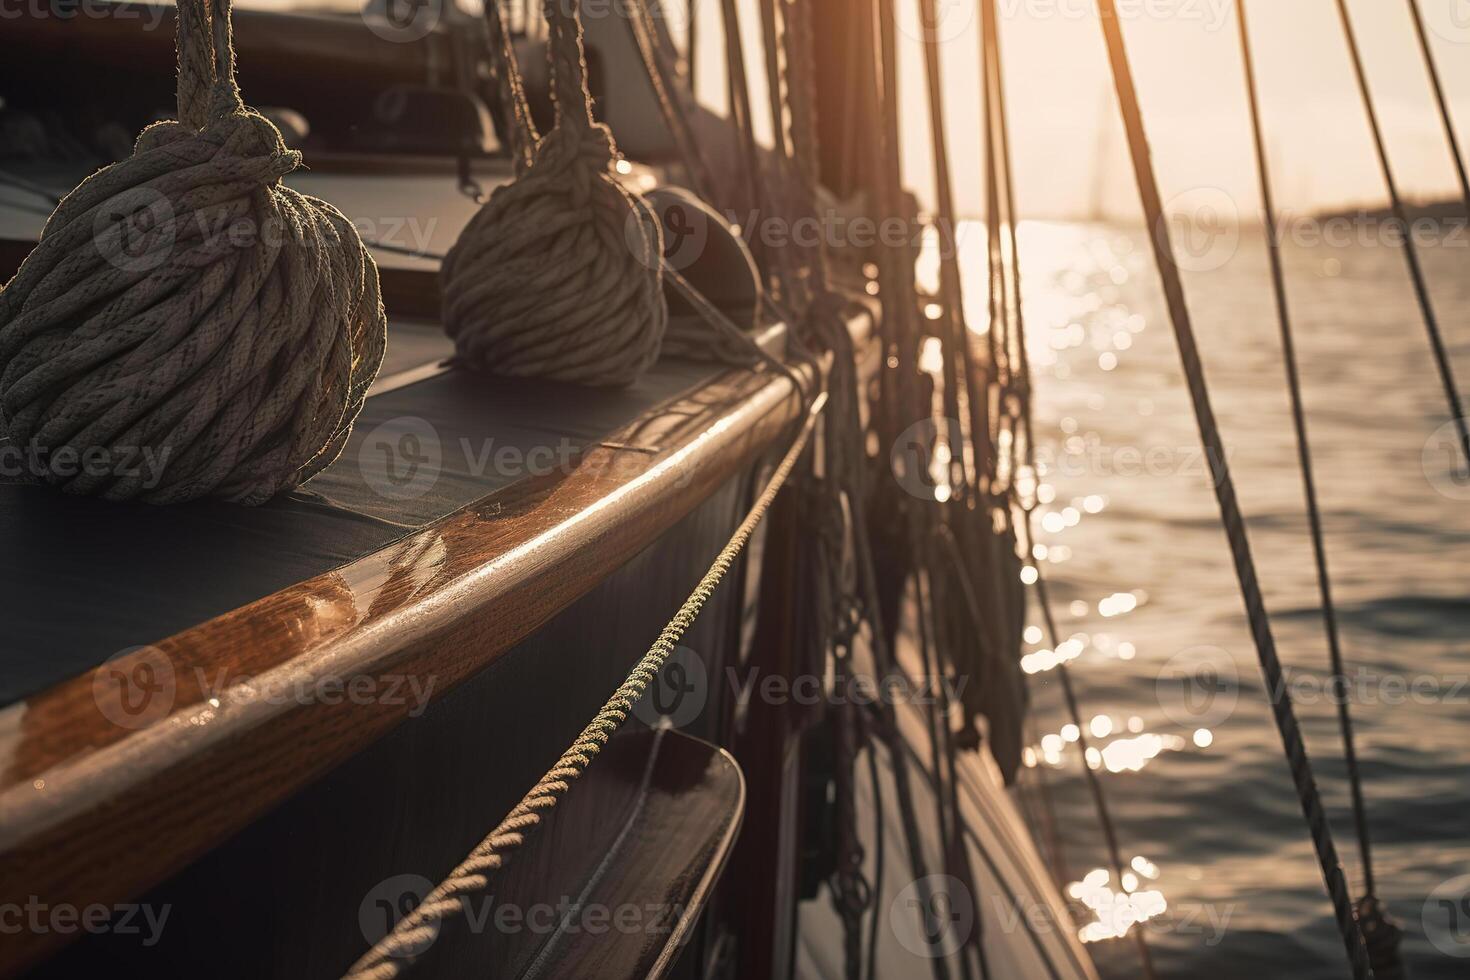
(558,276)
(184,307)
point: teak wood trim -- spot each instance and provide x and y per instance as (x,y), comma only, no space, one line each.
(94,812)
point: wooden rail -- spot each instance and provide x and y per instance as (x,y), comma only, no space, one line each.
(91,811)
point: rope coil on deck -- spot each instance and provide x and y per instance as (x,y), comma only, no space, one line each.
(558,275)
(395,952)
(186,310)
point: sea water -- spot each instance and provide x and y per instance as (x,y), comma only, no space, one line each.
(1141,577)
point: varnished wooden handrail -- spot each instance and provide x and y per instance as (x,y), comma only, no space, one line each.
(91,811)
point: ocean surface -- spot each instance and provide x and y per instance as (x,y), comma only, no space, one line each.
(1141,578)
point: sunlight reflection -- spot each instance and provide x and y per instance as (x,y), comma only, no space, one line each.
(1116,911)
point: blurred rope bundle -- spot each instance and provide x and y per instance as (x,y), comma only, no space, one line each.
(558,275)
(183,303)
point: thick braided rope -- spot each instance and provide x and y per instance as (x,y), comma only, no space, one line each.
(186,326)
(558,276)
(1230,512)
(396,952)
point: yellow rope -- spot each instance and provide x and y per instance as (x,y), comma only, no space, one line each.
(396,951)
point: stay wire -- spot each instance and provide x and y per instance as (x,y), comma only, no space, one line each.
(1411,252)
(1225,493)
(1304,451)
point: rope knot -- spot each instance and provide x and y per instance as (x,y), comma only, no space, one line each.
(246,133)
(186,325)
(559,275)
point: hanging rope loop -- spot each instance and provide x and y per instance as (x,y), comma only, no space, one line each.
(187,326)
(559,275)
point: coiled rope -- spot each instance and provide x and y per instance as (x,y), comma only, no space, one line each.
(1230,513)
(559,275)
(184,306)
(398,950)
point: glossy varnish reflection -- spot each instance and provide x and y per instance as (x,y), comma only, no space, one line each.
(96,811)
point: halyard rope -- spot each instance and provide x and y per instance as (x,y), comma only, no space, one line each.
(184,304)
(396,952)
(559,274)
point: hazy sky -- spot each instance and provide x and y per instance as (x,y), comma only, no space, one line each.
(1187,64)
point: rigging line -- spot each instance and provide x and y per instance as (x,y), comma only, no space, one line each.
(1003,158)
(928,657)
(397,951)
(1007,891)
(1074,709)
(896,277)
(887,718)
(737,342)
(1304,449)
(946,791)
(1411,253)
(1432,67)
(668,93)
(738,87)
(771,32)
(878,856)
(951,288)
(1224,484)
(993,65)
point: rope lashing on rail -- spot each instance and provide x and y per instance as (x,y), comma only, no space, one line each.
(1230,513)
(559,275)
(184,306)
(396,952)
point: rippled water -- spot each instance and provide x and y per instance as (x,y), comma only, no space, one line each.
(1214,811)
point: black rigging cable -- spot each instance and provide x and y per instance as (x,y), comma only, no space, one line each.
(1304,448)
(1417,16)
(999,158)
(1224,484)
(1411,253)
